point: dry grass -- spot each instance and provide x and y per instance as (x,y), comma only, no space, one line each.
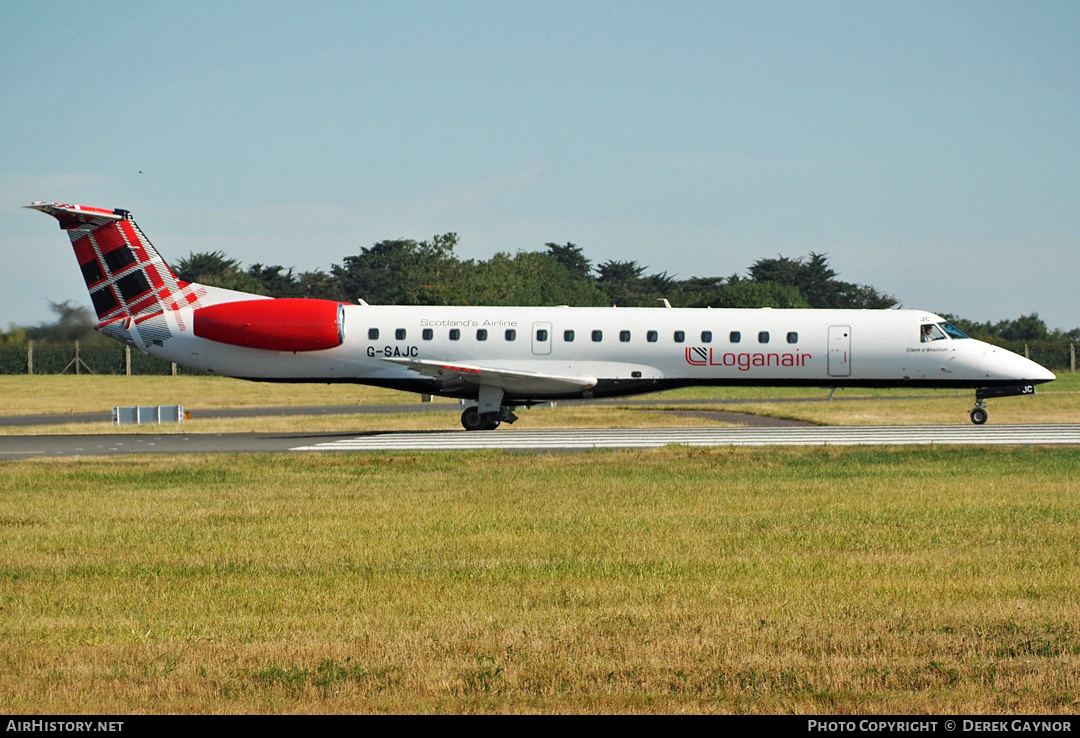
(89,394)
(1045,407)
(1058,402)
(719,580)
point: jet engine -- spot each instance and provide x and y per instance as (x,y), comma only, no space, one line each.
(283,324)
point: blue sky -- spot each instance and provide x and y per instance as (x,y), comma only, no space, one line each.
(931,149)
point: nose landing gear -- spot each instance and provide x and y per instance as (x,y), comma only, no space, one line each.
(978,413)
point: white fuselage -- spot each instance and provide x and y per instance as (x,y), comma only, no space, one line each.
(503,357)
(625,350)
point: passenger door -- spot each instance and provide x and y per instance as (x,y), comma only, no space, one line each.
(839,350)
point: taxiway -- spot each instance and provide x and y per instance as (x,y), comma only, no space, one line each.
(529,440)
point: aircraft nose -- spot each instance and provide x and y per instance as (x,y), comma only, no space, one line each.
(1027,370)
(1042,374)
(1004,364)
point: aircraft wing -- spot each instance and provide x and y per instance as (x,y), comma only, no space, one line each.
(514,381)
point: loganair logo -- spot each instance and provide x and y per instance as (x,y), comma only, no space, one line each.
(744,361)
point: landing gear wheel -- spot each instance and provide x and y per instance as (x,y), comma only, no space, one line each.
(978,415)
(473,420)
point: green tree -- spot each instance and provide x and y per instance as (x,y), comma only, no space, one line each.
(572,257)
(696,292)
(863,296)
(320,285)
(529,278)
(15,335)
(400,272)
(216,269)
(276,281)
(73,323)
(746,293)
(1025,328)
(624,283)
(814,277)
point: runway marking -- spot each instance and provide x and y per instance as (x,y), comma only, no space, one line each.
(509,439)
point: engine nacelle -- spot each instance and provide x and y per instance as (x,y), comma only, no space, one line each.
(282,324)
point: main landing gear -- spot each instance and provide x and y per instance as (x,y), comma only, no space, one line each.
(489,411)
(472,419)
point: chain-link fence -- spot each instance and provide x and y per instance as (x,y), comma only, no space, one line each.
(1054,355)
(72,359)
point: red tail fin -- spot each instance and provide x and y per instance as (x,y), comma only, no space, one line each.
(130,285)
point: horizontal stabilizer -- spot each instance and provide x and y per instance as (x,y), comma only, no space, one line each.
(74,216)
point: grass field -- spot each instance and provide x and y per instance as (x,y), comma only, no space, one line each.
(675,580)
(940,580)
(59,393)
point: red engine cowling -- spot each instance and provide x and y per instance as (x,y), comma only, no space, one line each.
(284,324)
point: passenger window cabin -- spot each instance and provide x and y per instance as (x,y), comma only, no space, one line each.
(928,332)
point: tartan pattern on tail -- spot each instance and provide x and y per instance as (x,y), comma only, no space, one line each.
(130,285)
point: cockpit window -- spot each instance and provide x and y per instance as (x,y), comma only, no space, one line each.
(932,332)
(953,331)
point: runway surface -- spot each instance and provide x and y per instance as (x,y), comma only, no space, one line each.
(655,437)
(17,447)
(434,407)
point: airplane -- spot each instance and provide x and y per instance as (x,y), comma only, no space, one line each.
(498,359)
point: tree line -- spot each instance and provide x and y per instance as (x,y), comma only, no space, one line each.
(408,272)
(429,272)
